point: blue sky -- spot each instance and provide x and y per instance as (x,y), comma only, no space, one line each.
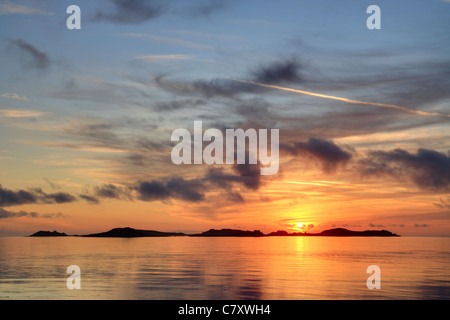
(83,112)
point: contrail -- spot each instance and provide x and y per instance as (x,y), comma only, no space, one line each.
(324,96)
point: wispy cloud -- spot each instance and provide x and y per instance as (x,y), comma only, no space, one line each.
(324,96)
(130,12)
(444,204)
(14,96)
(205,35)
(29,55)
(9,7)
(21,113)
(4,214)
(156,58)
(172,41)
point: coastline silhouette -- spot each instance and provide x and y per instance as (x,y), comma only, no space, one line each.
(136,233)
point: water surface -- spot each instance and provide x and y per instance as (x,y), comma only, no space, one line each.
(225,268)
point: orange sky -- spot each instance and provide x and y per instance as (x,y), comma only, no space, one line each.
(86,117)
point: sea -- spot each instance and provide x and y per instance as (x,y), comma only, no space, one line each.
(225,268)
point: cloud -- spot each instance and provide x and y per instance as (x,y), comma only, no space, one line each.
(29,55)
(207,7)
(177,104)
(428,169)
(90,199)
(278,72)
(9,7)
(208,89)
(171,41)
(21,113)
(130,11)
(11,198)
(372,225)
(377,225)
(443,204)
(194,190)
(246,175)
(58,197)
(111,191)
(167,57)
(421,225)
(4,214)
(178,188)
(329,154)
(14,96)
(51,184)
(32,196)
(187,190)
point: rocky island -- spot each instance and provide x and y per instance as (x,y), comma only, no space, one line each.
(135,233)
(48,234)
(229,233)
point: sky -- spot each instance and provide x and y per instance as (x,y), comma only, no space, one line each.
(86,116)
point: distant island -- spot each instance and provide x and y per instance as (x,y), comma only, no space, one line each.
(229,233)
(48,234)
(135,233)
(341,232)
(132,233)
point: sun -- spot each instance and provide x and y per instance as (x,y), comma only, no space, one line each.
(299,226)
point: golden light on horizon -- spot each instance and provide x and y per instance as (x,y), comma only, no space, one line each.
(299,225)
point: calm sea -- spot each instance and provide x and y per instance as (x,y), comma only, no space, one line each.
(225,268)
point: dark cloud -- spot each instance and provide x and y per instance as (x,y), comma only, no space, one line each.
(421,225)
(247,175)
(32,196)
(89,199)
(326,152)
(188,190)
(443,204)
(152,190)
(278,72)
(194,190)
(177,104)
(29,55)
(207,89)
(207,7)
(428,169)
(111,191)
(177,188)
(376,225)
(4,214)
(59,197)
(131,11)
(373,225)
(12,198)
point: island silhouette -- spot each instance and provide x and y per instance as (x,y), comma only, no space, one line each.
(136,233)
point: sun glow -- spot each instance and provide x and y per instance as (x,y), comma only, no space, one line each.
(299,226)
